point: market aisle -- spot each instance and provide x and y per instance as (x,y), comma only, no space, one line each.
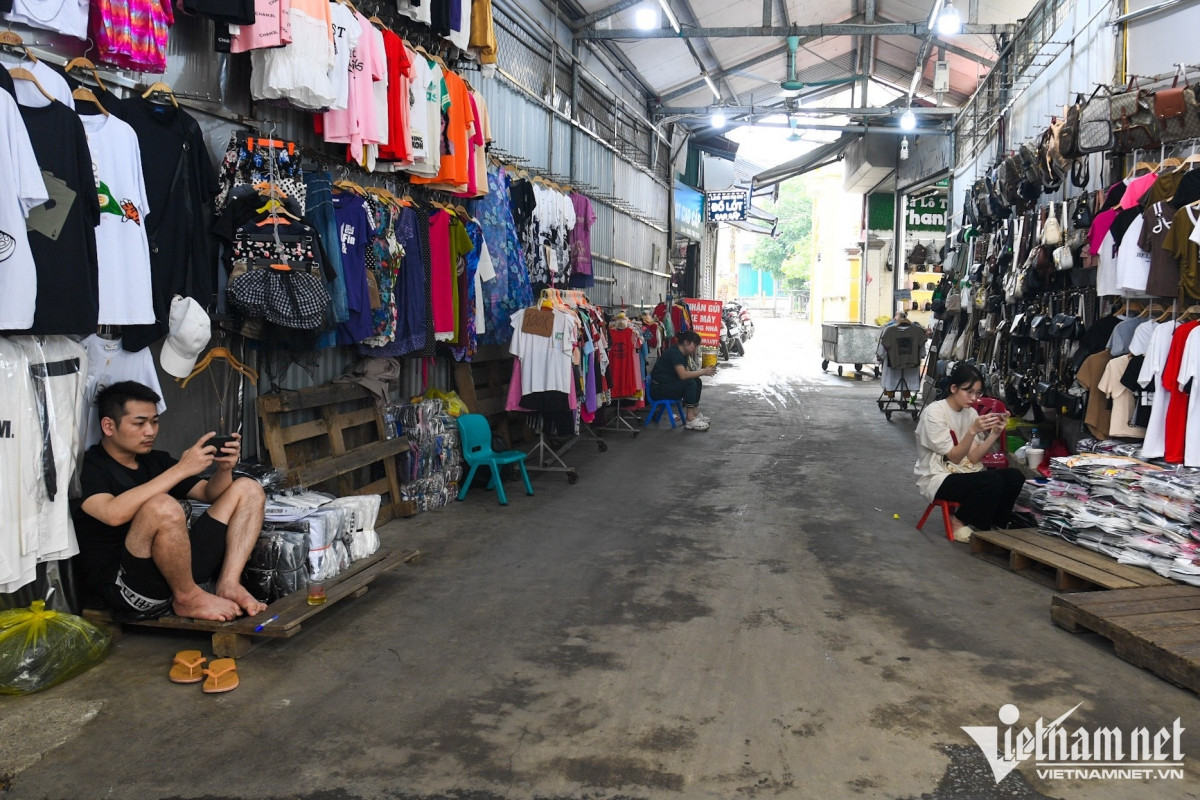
(713,615)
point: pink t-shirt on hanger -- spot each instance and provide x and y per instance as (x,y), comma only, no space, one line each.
(1136,188)
(356,123)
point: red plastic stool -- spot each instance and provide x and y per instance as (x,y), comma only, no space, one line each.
(948,507)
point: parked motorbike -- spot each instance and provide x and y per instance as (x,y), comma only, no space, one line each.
(731,335)
(747,323)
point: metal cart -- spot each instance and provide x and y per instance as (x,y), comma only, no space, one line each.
(849,343)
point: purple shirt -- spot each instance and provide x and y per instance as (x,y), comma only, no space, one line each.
(354,235)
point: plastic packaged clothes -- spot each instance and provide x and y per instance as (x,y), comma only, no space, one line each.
(278,565)
(40,648)
(361,512)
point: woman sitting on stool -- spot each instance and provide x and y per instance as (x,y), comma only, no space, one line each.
(951,441)
(672,380)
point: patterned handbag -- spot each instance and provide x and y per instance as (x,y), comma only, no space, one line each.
(1177,112)
(1095,123)
(1134,125)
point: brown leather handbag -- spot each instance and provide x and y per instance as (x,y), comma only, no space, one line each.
(1177,112)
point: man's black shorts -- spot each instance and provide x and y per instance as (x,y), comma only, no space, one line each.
(138,589)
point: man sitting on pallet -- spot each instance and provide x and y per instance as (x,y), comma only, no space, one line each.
(136,548)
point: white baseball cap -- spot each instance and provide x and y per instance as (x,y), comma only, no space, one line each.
(189,334)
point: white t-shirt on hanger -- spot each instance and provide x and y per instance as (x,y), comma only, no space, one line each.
(418,109)
(1140,342)
(421,13)
(1155,445)
(1189,370)
(1106,273)
(346,31)
(69,17)
(122,249)
(20,460)
(109,363)
(23,190)
(545,360)
(51,81)
(1133,263)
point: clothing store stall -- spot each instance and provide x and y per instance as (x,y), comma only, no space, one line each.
(1071,282)
(325,227)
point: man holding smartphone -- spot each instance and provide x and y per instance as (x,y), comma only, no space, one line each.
(136,547)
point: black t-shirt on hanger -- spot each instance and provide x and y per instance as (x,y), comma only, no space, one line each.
(1122,223)
(1188,191)
(231,12)
(180,186)
(64,246)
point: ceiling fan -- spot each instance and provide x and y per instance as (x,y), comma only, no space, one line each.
(792,86)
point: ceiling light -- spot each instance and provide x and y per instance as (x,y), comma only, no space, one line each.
(712,86)
(666,7)
(949,22)
(908,120)
(717,120)
(646,18)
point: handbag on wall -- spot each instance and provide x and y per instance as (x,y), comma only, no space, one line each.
(1052,231)
(1135,127)
(1177,111)
(1095,123)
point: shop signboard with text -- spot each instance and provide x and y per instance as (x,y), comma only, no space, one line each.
(689,212)
(727,206)
(706,319)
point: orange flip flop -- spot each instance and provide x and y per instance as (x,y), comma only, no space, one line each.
(222,676)
(186,667)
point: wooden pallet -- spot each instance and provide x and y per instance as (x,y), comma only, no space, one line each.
(331,437)
(1154,627)
(235,639)
(1059,564)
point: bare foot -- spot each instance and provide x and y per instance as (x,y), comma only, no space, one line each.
(203,605)
(245,601)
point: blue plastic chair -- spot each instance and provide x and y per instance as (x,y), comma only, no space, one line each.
(476,436)
(657,407)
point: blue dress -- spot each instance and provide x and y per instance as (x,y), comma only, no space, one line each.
(511,290)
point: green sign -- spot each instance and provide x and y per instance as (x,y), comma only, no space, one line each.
(921,214)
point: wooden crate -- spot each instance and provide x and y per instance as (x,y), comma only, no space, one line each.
(483,385)
(331,437)
(1059,564)
(1155,627)
(235,639)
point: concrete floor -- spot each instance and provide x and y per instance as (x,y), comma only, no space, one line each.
(730,614)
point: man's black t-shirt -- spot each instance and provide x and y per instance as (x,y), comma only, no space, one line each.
(64,247)
(100,545)
(180,186)
(664,368)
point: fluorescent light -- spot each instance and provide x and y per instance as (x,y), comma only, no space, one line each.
(712,86)
(949,22)
(666,7)
(717,120)
(646,18)
(908,120)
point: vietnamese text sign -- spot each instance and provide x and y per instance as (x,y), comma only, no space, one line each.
(706,319)
(727,206)
(689,212)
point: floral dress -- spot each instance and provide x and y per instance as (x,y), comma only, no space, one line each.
(511,289)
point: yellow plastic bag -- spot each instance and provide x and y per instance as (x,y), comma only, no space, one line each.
(39,648)
(452,404)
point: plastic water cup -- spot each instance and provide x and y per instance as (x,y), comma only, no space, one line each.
(1034,456)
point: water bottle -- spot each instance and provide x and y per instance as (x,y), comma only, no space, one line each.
(1035,441)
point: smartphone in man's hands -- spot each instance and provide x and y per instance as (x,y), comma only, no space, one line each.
(219,442)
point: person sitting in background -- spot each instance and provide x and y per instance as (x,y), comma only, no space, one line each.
(672,380)
(951,441)
(136,548)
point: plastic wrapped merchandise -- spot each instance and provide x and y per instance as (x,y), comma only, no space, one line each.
(39,648)
(362,512)
(278,565)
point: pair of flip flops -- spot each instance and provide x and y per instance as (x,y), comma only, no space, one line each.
(221,673)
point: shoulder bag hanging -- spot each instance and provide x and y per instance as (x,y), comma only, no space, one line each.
(1177,112)
(1095,123)
(1135,127)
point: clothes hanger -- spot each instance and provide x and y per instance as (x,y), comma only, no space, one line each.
(10,40)
(79,62)
(22,74)
(224,354)
(1166,315)
(1149,166)
(159,89)
(1191,312)
(86,95)
(275,207)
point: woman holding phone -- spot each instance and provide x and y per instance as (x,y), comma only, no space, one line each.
(952,439)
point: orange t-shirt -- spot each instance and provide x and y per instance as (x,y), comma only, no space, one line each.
(453,174)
